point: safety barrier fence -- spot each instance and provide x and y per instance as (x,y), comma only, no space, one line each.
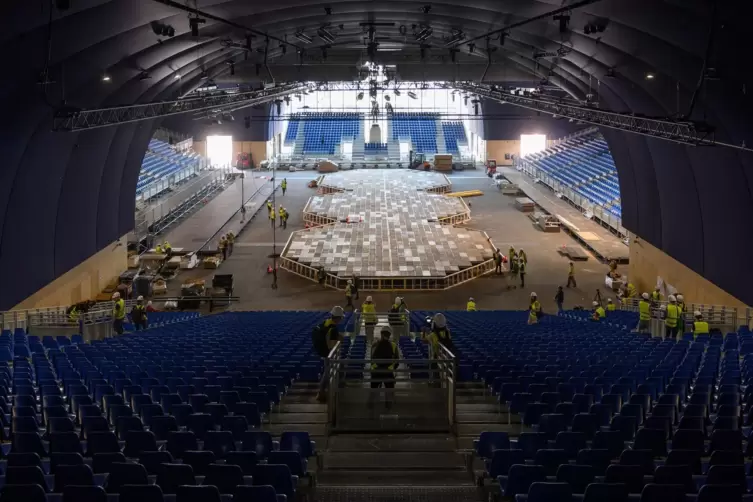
(575,198)
(364,395)
(718,316)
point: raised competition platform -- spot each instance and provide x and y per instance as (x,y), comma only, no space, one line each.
(393,229)
(605,245)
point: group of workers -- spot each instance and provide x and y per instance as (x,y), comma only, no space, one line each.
(385,352)
(518,263)
(226,244)
(283,213)
(164,248)
(139,312)
(673,314)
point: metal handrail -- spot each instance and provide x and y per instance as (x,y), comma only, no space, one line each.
(715,315)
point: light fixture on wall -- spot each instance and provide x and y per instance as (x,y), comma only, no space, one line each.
(106,78)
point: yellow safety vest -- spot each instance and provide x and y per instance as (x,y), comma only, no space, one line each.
(611,306)
(119,311)
(535,308)
(348,290)
(645,310)
(672,315)
(73,316)
(369,313)
(571,271)
(600,312)
(471,307)
(167,247)
(522,266)
(272,214)
(630,291)
(284,184)
(158,249)
(701,328)
(655,296)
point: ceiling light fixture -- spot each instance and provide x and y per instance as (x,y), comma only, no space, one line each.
(564,20)
(325,35)
(425,33)
(456,37)
(302,37)
(177,76)
(193,23)
(106,78)
(649,76)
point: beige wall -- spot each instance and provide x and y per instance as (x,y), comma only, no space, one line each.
(83,282)
(497,148)
(647,263)
(200,147)
(257,149)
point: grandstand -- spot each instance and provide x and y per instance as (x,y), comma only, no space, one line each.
(582,168)
(323,132)
(454,136)
(163,167)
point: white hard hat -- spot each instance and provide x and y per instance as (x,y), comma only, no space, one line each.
(350,282)
(680,298)
(398,299)
(337,312)
(368,299)
(672,298)
(645,296)
(140,299)
(385,329)
(149,302)
(439,320)
(663,307)
(533,295)
(594,303)
(115,295)
(609,300)
(471,299)
(697,313)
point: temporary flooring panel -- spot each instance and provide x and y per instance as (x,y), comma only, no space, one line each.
(408,179)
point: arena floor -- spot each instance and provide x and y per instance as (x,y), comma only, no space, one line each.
(493,212)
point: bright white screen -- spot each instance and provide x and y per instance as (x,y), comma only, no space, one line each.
(532,143)
(220,150)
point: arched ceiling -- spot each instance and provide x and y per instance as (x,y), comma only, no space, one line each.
(73,193)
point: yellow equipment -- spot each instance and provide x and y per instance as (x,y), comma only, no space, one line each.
(466,193)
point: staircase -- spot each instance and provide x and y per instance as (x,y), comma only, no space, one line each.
(358,146)
(441,146)
(298,148)
(393,145)
(388,467)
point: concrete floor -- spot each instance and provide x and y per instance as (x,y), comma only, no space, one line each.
(493,212)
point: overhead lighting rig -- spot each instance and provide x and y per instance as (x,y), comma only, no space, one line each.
(302,37)
(424,34)
(456,37)
(162,29)
(193,23)
(564,20)
(325,35)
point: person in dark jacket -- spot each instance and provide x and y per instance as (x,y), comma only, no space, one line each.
(325,337)
(559,298)
(383,372)
(138,314)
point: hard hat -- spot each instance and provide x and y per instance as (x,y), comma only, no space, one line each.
(595,303)
(140,299)
(533,295)
(663,307)
(368,299)
(680,298)
(337,312)
(115,295)
(609,300)
(645,296)
(350,282)
(439,320)
(149,302)
(697,313)
(385,330)
(398,299)
(471,299)
(672,298)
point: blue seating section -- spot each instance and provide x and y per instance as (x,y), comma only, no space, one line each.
(454,132)
(292,133)
(157,319)
(600,404)
(324,131)
(106,415)
(420,127)
(584,164)
(160,162)
(375,148)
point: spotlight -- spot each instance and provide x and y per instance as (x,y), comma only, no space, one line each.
(412,95)
(249,39)
(587,29)
(610,73)
(194,23)
(426,8)
(177,76)
(397,92)
(650,76)
(425,33)
(231,64)
(328,11)
(106,78)
(325,35)
(502,37)
(475,108)
(302,37)
(456,37)
(452,54)
(283,48)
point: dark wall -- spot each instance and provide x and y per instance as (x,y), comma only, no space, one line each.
(507,122)
(200,129)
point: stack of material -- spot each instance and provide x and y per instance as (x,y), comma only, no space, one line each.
(403,180)
(326,166)
(525,204)
(443,163)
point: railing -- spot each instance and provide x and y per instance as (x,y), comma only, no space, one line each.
(418,394)
(401,328)
(718,316)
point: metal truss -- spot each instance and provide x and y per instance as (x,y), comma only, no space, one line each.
(685,132)
(77,120)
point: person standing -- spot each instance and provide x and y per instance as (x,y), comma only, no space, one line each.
(610,305)
(656,295)
(138,314)
(522,270)
(324,338)
(230,242)
(284,217)
(644,313)
(396,317)
(559,298)
(118,313)
(284,186)
(534,309)
(223,247)
(270,207)
(369,318)
(571,276)
(497,261)
(355,286)
(471,305)
(673,315)
(349,294)
(383,373)
(700,327)
(321,276)
(272,218)
(598,313)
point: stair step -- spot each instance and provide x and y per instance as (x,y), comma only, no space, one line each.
(475,430)
(478,407)
(291,407)
(299,418)
(392,443)
(314,429)
(414,461)
(336,486)
(481,417)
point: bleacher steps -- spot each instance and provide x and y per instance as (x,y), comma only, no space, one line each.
(394,483)
(300,418)
(475,429)
(441,145)
(392,442)
(367,460)
(290,407)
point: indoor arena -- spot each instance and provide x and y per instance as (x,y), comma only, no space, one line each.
(374,252)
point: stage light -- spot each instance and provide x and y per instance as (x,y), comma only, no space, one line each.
(360,96)
(177,76)
(471,48)
(456,37)
(397,92)
(302,37)
(425,33)
(283,48)
(649,76)
(426,8)
(324,53)
(564,20)
(325,35)
(193,23)
(502,37)
(247,122)
(328,11)
(610,73)
(231,64)
(412,95)
(106,78)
